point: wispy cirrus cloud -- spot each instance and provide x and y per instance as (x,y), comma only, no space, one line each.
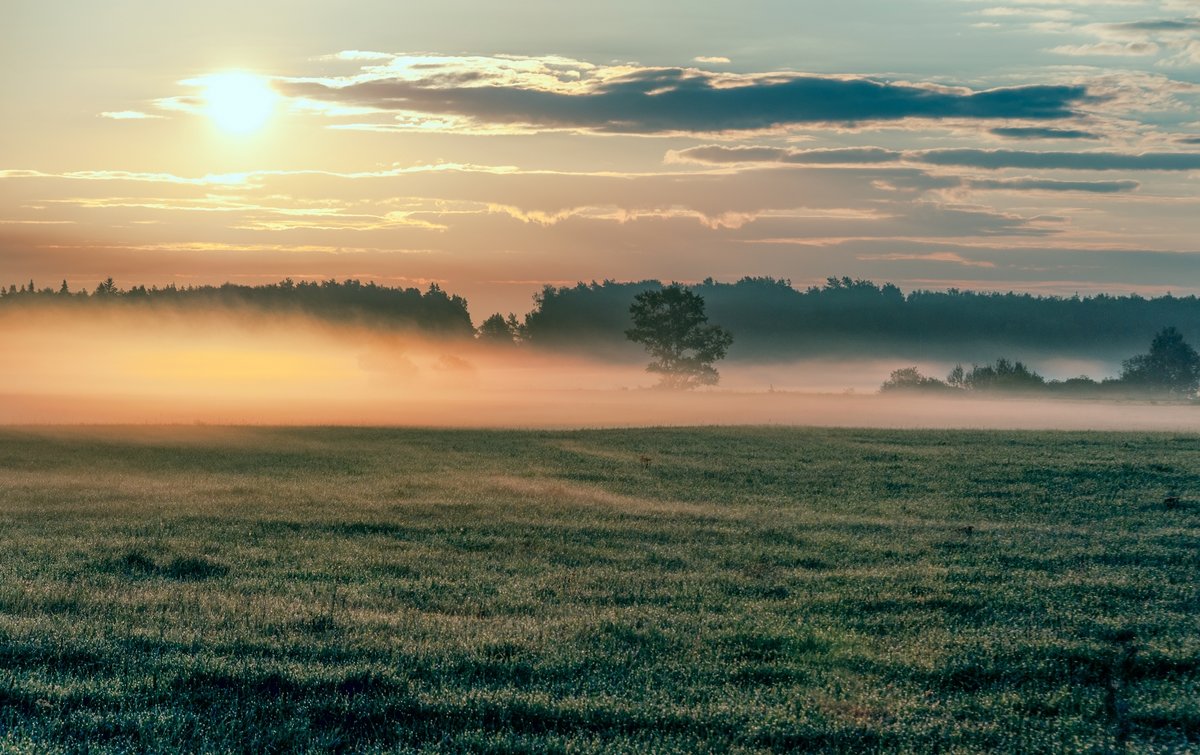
(1150,30)
(1135,49)
(464,212)
(1010,11)
(717,154)
(951,257)
(128,115)
(1072,3)
(230,179)
(992,159)
(247,178)
(1174,39)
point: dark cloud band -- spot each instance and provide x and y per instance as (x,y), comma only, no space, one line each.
(1034,132)
(684,100)
(1007,158)
(1162,25)
(1046,184)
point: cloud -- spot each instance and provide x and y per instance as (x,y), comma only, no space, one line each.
(356,55)
(1172,38)
(1052,14)
(1004,158)
(952,257)
(717,154)
(228,179)
(609,222)
(248,179)
(973,158)
(1046,184)
(569,95)
(432,198)
(1131,49)
(1034,132)
(1084,3)
(1157,25)
(719,59)
(128,115)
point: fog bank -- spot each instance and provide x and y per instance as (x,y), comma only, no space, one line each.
(229,367)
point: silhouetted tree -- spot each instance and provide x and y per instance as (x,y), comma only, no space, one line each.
(107,288)
(670,323)
(957,378)
(496,329)
(910,379)
(1171,368)
(1003,376)
(515,327)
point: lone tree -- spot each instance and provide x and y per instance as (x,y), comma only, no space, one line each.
(671,324)
(1172,367)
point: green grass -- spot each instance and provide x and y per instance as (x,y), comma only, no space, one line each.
(660,590)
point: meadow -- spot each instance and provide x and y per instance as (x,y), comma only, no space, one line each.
(214,589)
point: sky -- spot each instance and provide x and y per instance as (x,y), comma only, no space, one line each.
(492,148)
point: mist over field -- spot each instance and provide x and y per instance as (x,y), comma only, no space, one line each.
(231,366)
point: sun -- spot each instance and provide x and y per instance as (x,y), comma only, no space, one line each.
(239,103)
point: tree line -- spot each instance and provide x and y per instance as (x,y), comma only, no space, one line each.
(433,310)
(772,320)
(768,318)
(1170,369)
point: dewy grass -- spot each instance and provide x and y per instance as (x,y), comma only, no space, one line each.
(681,590)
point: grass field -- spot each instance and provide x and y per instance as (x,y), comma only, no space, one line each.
(659,590)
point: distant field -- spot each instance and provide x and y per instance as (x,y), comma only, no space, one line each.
(658,590)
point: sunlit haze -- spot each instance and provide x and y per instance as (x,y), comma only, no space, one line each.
(236,367)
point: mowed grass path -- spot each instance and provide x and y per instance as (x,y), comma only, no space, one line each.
(658,590)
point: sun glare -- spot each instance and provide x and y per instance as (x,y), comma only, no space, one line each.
(239,103)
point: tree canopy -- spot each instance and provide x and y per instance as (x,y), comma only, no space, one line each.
(670,323)
(1172,367)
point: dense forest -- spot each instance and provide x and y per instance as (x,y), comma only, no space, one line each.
(771,320)
(432,311)
(768,318)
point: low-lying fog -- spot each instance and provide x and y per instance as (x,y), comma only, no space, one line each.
(164,366)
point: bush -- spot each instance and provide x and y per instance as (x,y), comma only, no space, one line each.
(910,379)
